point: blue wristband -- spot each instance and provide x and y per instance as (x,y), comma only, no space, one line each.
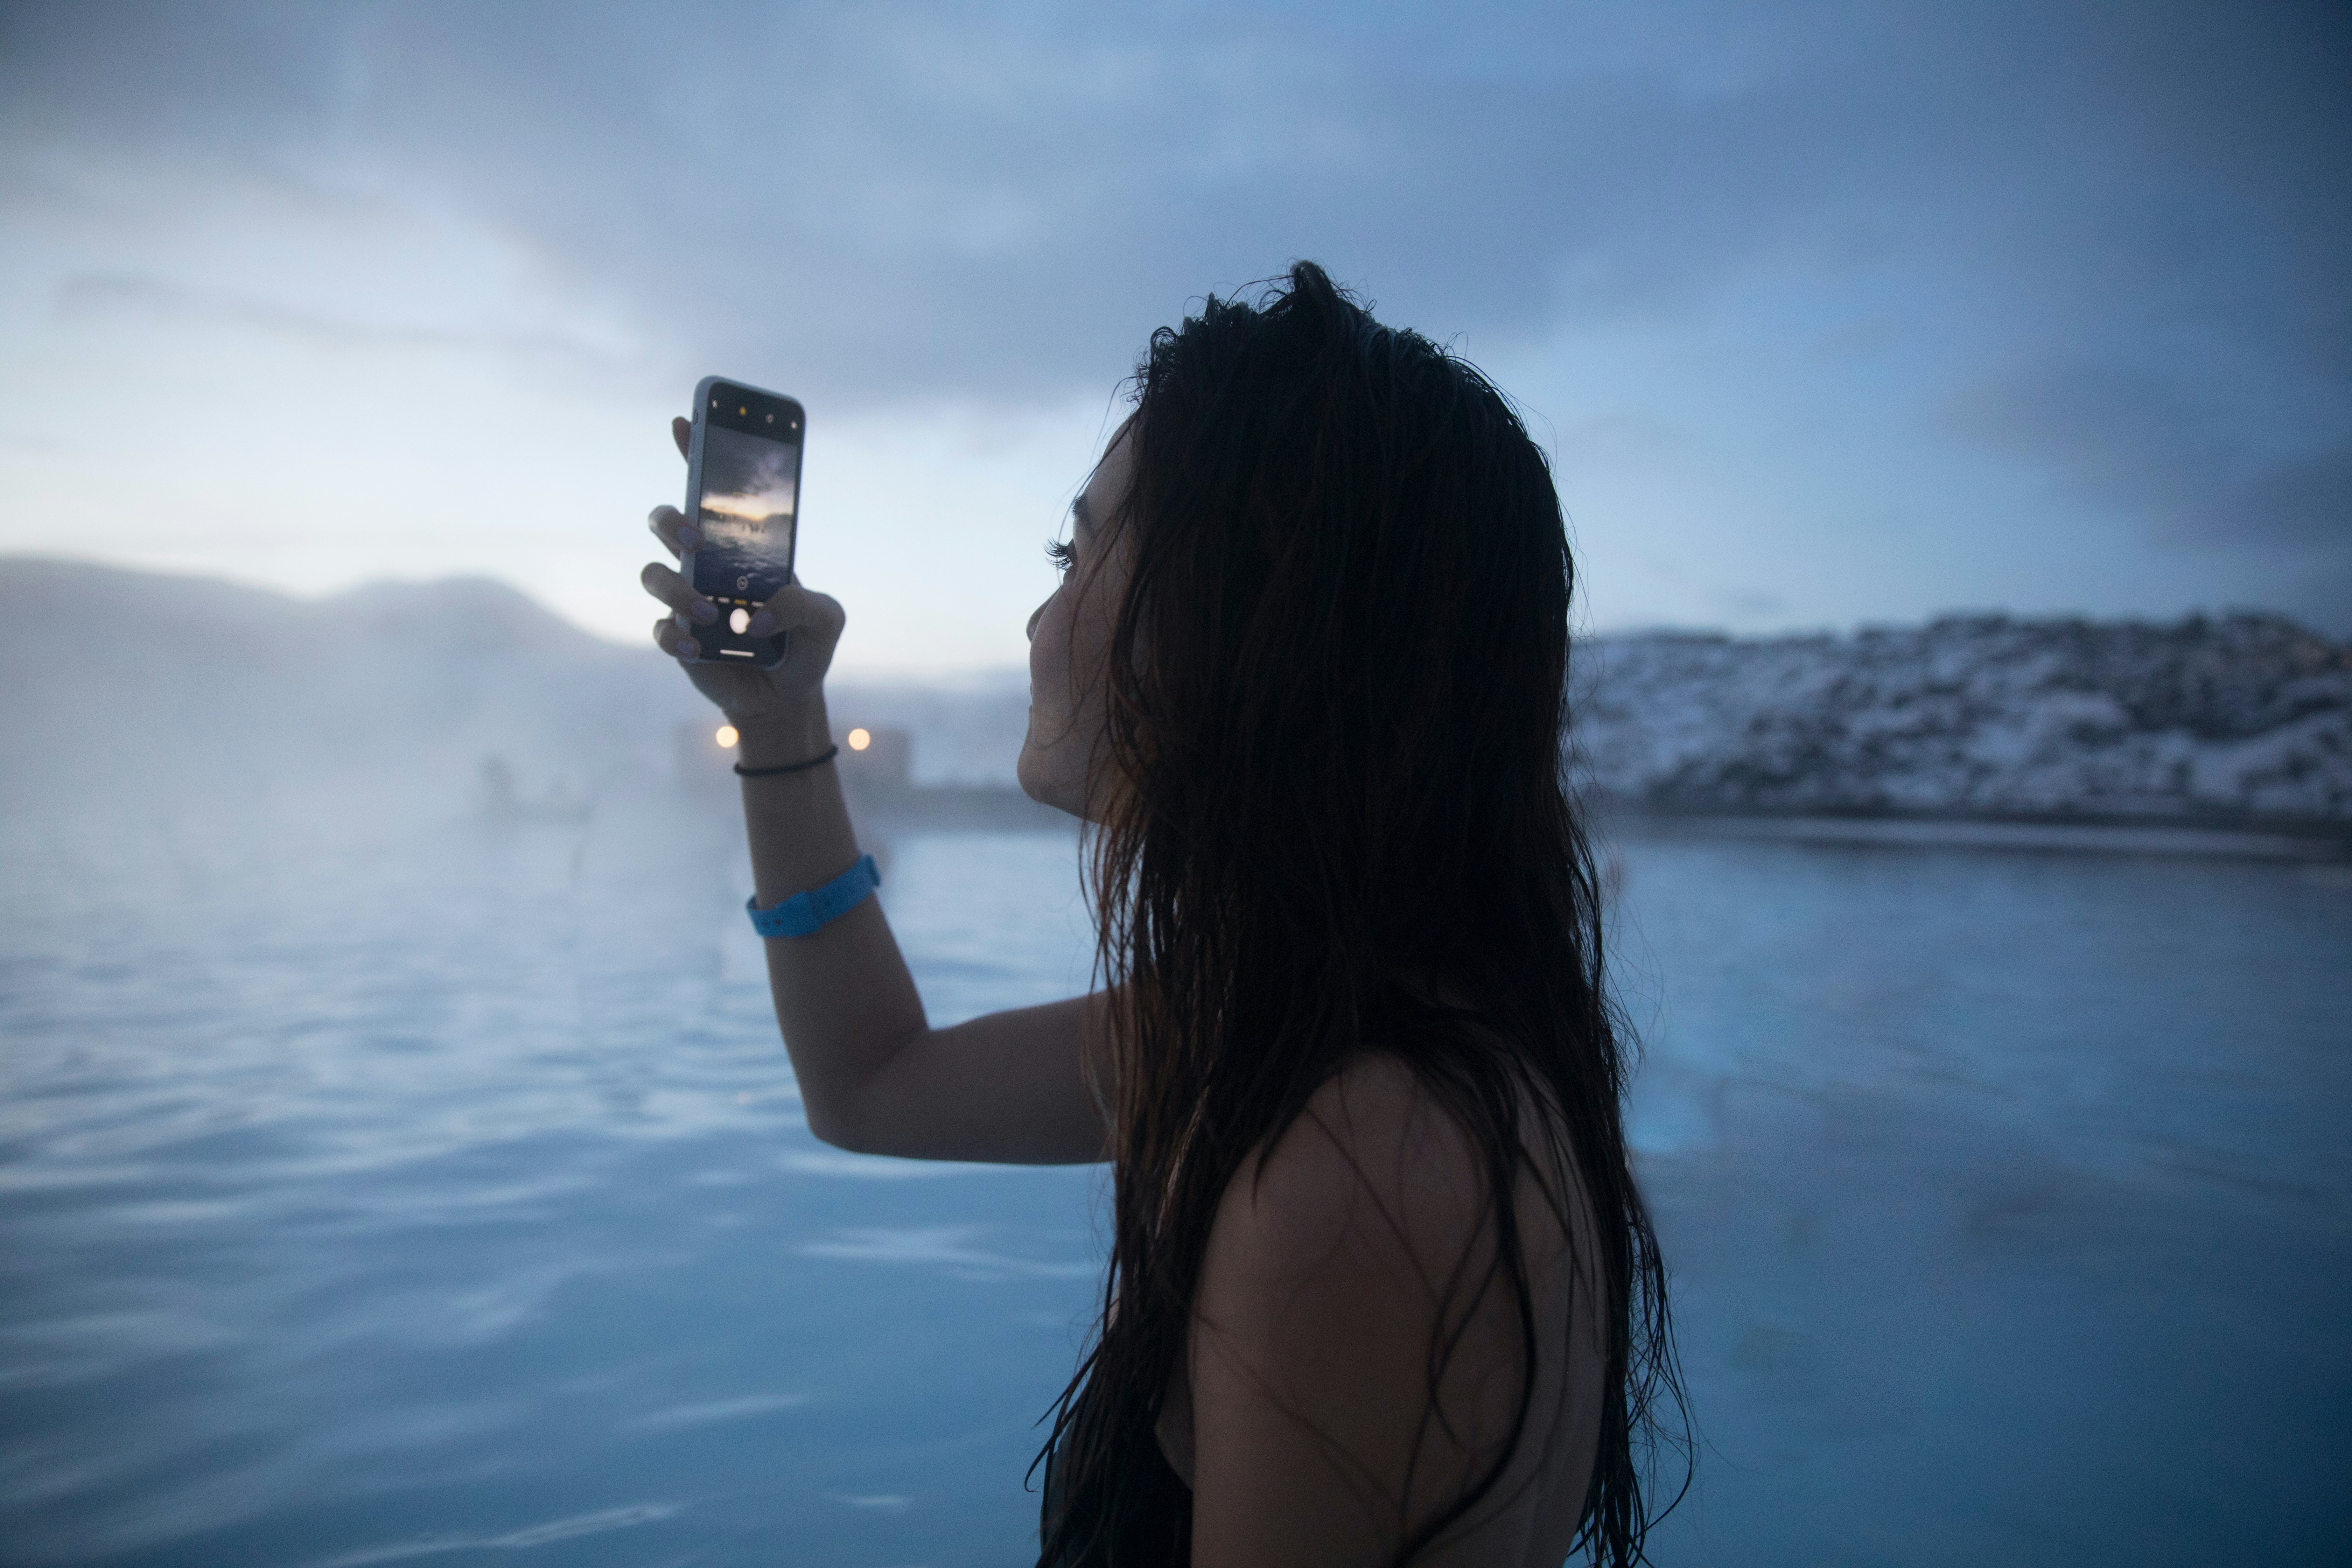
(804,913)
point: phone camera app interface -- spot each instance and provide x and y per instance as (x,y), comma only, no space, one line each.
(750,490)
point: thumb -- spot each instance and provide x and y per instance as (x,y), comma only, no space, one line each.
(795,608)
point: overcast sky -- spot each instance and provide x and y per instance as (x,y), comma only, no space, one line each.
(1830,313)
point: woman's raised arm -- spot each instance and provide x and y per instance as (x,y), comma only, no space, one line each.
(874,1076)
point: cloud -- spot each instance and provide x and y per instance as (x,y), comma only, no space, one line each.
(2111,431)
(2307,502)
(135,299)
(2147,443)
(920,201)
(1933,251)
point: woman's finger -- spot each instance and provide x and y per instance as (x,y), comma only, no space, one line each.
(682,432)
(674,642)
(676,592)
(795,608)
(669,526)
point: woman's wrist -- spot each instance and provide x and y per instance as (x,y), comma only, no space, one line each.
(777,740)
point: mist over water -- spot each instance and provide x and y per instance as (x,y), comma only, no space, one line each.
(386,1187)
(379,1200)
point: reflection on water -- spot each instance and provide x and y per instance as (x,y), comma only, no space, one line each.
(448,1197)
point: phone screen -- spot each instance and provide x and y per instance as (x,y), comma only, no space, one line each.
(750,494)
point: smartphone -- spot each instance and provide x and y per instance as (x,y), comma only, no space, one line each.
(742,493)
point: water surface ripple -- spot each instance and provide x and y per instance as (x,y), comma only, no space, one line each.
(442,1193)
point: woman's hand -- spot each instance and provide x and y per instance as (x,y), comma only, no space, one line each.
(747,695)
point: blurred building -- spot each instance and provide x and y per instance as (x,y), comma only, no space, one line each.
(877,764)
(877,776)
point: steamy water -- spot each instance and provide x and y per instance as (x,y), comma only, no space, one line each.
(443,1195)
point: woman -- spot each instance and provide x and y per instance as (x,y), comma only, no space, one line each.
(1382,1287)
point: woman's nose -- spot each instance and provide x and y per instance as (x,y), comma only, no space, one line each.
(1034,617)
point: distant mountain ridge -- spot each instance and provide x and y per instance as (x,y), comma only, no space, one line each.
(119,680)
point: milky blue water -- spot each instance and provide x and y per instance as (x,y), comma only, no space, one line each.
(440,1193)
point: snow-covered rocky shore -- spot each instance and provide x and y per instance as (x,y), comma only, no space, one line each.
(2243,718)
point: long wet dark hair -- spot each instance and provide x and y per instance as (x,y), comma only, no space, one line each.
(1336,691)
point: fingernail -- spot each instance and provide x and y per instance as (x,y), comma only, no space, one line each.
(761,624)
(686,647)
(703,610)
(688,538)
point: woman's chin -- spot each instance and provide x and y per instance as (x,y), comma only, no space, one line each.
(1039,782)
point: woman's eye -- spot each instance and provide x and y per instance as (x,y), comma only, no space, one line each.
(1062,554)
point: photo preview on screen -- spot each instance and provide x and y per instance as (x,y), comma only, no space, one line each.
(749,491)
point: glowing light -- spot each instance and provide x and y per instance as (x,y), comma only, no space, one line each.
(727,735)
(859,739)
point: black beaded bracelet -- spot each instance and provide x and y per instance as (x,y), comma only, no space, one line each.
(818,761)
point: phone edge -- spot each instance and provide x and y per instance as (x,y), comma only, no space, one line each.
(783,640)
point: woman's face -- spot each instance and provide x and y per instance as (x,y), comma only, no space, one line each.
(1069,642)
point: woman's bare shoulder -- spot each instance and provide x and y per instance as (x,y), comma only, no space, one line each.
(1376,1172)
(1334,1269)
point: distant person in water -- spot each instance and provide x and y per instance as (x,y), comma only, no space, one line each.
(1381,1287)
